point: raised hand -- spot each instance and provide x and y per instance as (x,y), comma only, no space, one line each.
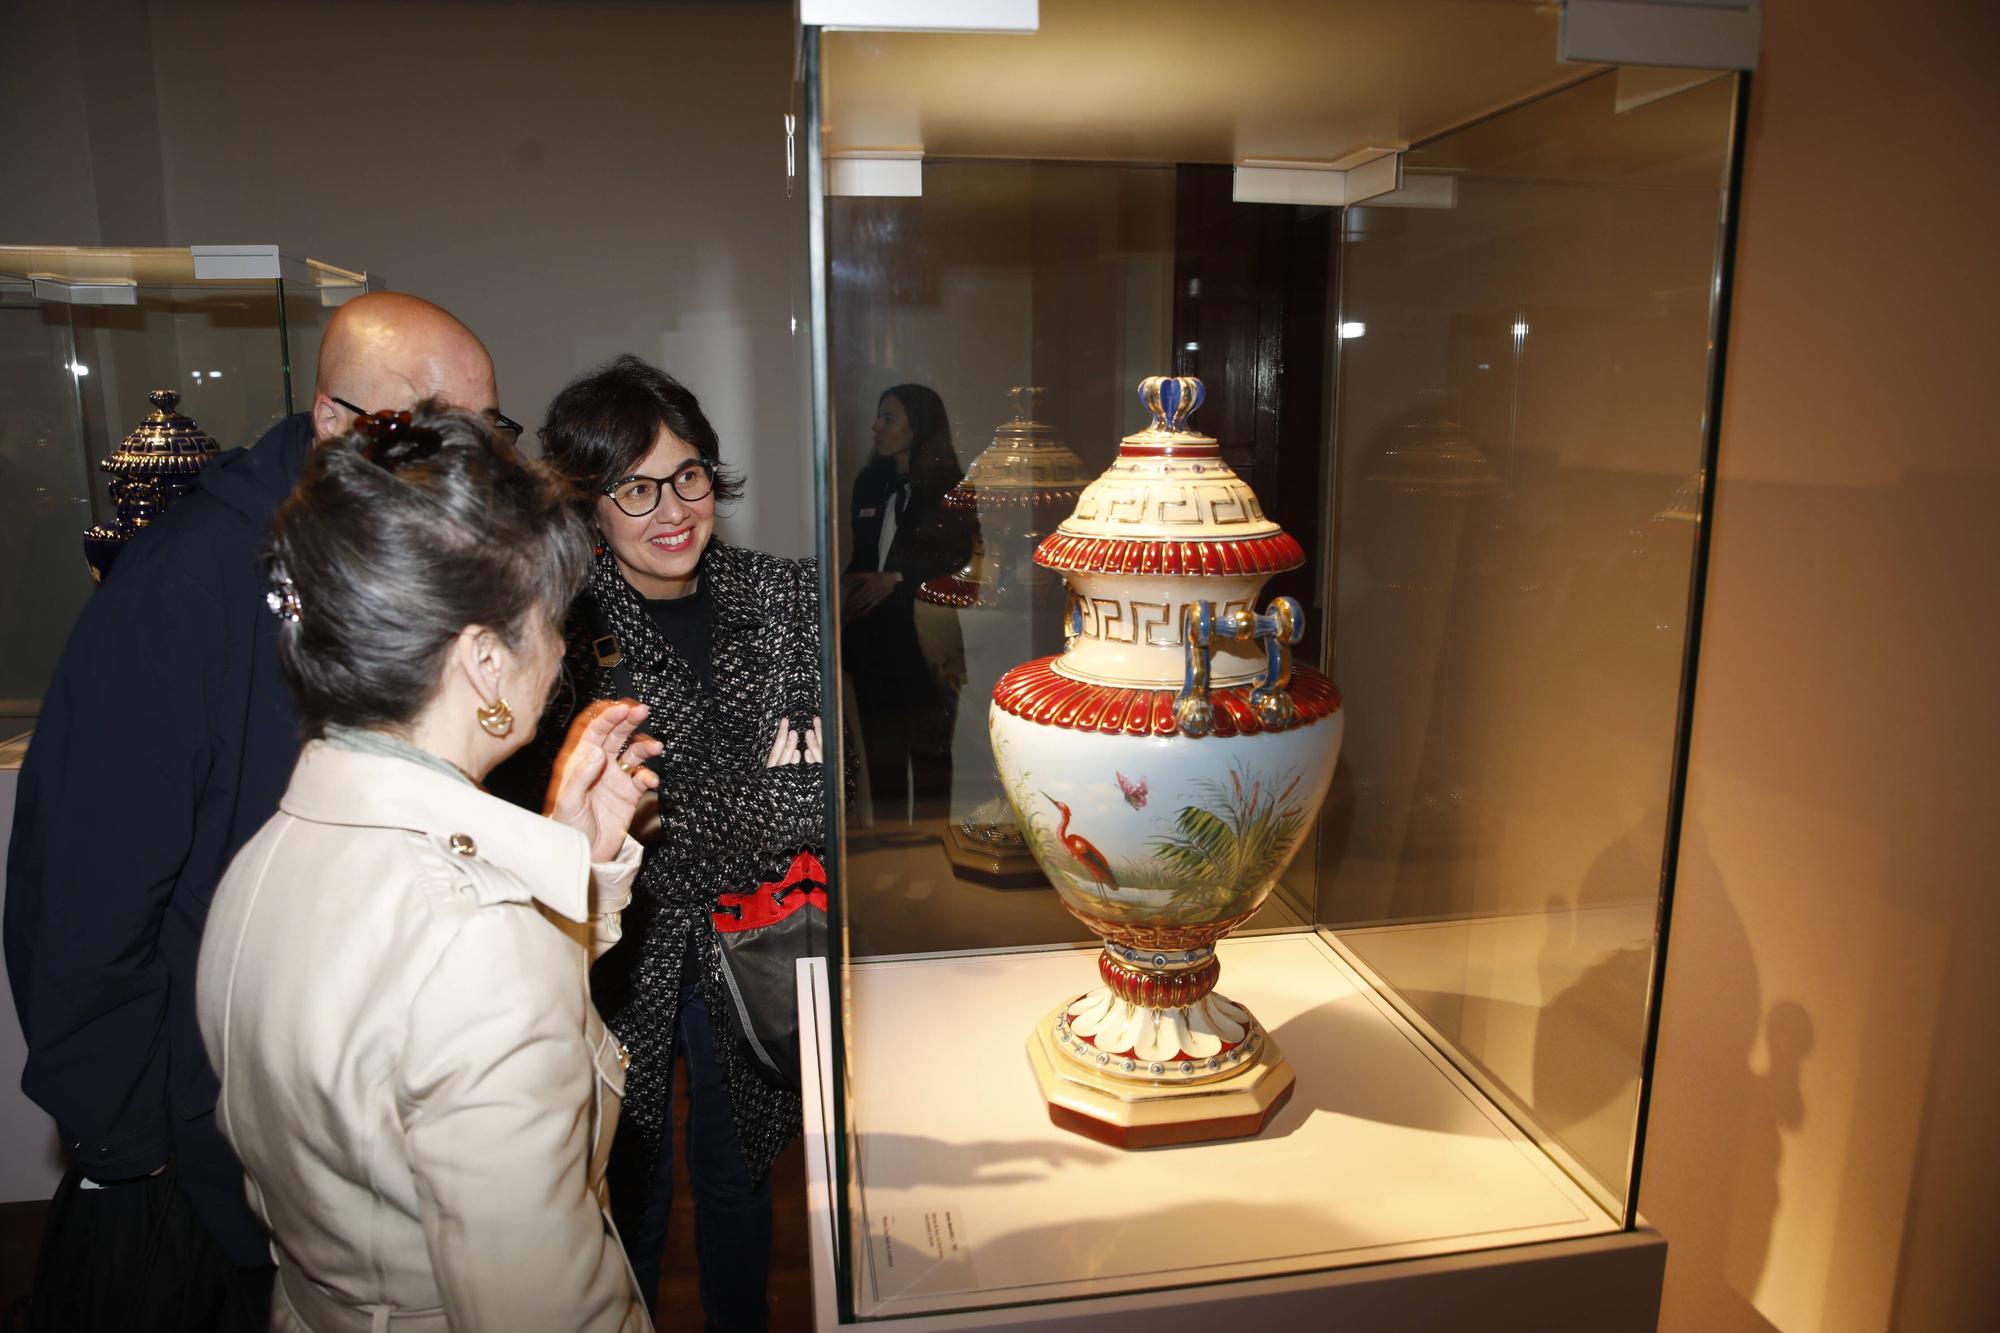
(600,773)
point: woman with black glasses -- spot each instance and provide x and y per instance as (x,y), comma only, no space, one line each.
(722,645)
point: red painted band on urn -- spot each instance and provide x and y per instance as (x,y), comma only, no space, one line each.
(1269,554)
(1036,691)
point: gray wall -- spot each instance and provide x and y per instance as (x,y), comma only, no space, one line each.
(573,180)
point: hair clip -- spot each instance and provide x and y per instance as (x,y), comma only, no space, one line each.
(283,598)
(391,439)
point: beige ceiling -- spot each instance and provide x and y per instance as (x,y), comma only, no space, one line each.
(1192,80)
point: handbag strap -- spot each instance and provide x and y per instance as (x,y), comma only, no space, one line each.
(610,653)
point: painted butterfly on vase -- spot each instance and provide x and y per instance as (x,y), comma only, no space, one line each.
(1135,792)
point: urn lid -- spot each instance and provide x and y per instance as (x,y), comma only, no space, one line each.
(1433,454)
(1020,486)
(1169,504)
(1027,466)
(165,443)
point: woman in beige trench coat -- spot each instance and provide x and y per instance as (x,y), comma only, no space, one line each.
(393,980)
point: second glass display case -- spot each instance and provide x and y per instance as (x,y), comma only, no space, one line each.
(88,337)
(1479,403)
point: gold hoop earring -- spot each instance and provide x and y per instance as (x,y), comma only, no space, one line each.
(497,719)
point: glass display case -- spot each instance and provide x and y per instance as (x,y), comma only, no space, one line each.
(86,336)
(1454,307)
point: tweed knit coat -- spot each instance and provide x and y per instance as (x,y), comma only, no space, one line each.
(728,823)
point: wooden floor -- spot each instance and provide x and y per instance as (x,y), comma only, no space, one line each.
(680,1300)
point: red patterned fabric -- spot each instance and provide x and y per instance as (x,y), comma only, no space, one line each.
(802,885)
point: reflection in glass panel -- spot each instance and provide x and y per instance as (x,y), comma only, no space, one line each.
(1003,275)
(46,478)
(1523,378)
(985,343)
(1006,609)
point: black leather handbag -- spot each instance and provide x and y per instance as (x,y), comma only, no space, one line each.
(763,934)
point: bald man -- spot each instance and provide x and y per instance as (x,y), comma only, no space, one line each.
(163,744)
(387,352)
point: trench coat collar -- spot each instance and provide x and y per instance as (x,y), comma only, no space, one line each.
(335,786)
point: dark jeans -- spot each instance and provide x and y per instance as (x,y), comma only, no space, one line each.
(732,1213)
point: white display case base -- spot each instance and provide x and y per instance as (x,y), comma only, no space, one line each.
(973,1210)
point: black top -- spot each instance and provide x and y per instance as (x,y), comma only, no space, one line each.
(686,624)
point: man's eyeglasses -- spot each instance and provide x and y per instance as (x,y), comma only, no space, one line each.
(640,496)
(505,427)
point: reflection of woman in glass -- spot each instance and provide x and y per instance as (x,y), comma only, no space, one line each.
(902,536)
(722,644)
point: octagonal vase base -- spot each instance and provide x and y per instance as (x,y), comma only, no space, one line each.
(1129,1115)
(1001,863)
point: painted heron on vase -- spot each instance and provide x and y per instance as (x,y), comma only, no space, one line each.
(1080,847)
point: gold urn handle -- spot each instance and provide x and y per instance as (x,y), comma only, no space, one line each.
(1281,626)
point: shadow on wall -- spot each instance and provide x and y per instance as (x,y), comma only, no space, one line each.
(1753,1101)
(1841,835)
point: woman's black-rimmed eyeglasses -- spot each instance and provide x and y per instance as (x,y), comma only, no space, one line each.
(639,496)
(504,426)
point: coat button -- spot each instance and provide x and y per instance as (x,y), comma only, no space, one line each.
(462,845)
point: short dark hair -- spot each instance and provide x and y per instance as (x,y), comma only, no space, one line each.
(390,562)
(606,420)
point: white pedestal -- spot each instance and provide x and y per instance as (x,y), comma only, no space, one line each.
(974,1211)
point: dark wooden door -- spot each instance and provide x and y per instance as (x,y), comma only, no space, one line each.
(1252,305)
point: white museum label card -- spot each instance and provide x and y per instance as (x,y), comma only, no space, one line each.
(919,1249)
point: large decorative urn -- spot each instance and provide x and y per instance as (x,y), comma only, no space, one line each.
(1019,487)
(1165,767)
(154,466)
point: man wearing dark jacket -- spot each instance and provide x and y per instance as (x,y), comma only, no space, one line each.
(163,744)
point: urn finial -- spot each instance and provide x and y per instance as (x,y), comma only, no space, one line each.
(1027,399)
(154,466)
(1172,399)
